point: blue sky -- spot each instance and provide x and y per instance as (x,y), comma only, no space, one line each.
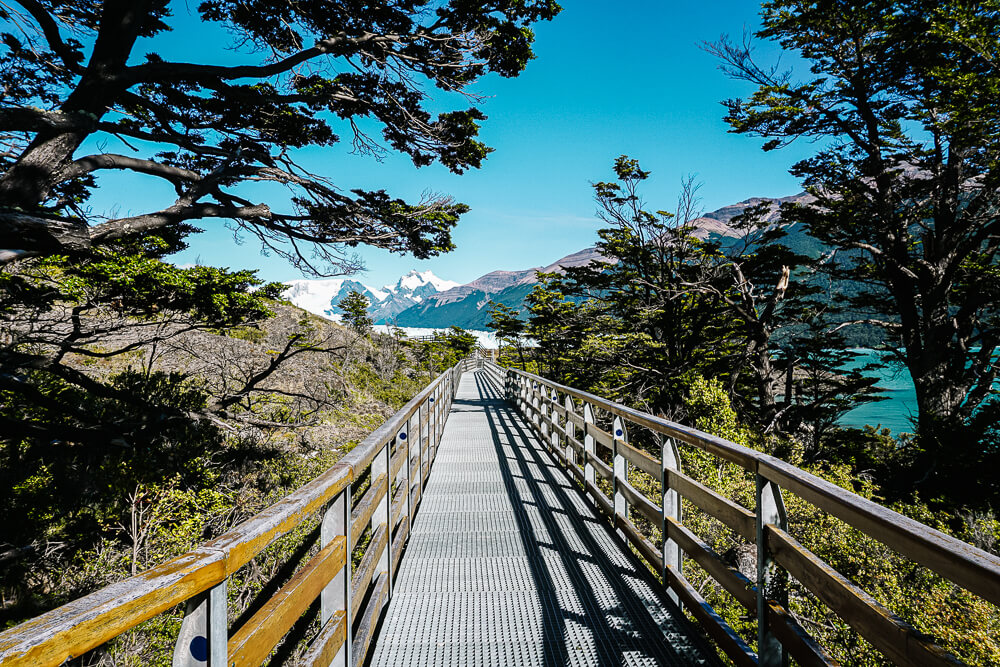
(631,79)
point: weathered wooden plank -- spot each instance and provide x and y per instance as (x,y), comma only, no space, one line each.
(328,642)
(575,444)
(601,437)
(743,456)
(86,623)
(899,641)
(640,459)
(739,586)
(973,569)
(645,548)
(640,503)
(717,629)
(799,643)
(369,620)
(253,535)
(603,502)
(399,505)
(362,575)
(361,514)
(256,638)
(602,468)
(397,545)
(396,463)
(740,519)
(575,418)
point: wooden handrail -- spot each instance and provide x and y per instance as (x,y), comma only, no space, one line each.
(90,621)
(973,569)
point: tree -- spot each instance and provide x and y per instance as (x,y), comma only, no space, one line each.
(355,307)
(905,183)
(508,326)
(72,79)
(669,304)
(75,284)
(639,330)
(88,302)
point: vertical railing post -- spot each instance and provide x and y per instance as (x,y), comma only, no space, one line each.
(671,460)
(433,429)
(337,594)
(554,435)
(417,488)
(589,472)
(218,625)
(536,403)
(383,513)
(425,445)
(570,432)
(403,449)
(772,582)
(620,472)
(543,414)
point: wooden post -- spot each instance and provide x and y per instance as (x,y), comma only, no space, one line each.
(772,582)
(383,513)
(416,485)
(672,557)
(434,422)
(425,452)
(589,472)
(336,595)
(543,414)
(218,626)
(535,411)
(554,435)
(403,449)
(620,472)
(570,432)
(204,634)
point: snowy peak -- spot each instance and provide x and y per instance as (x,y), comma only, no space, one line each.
(417,280)
(323,296)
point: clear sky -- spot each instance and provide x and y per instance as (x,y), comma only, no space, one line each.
(609,79)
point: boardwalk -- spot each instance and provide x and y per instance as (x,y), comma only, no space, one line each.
(508,564)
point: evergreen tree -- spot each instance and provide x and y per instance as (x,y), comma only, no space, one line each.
(508,326)
(355,308)
(906,185)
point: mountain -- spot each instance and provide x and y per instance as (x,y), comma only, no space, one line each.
(322,296)
(424,300)
(466,306)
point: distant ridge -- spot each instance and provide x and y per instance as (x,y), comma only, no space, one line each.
(424,300)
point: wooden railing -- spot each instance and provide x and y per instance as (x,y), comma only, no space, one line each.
(395,460)
(564,419)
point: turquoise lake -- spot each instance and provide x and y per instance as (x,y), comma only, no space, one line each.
(894,413)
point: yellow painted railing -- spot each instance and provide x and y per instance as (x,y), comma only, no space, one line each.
(395,458)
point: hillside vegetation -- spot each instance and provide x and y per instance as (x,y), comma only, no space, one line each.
(77,520)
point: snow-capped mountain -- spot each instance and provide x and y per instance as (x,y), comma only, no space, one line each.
(322,296)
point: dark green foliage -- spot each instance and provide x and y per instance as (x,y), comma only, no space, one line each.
(72,78)
(509,327)
(906,180)
(74,488)
(667,307)
(355,308)
(444,349)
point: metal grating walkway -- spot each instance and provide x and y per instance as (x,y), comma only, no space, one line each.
(507,563)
